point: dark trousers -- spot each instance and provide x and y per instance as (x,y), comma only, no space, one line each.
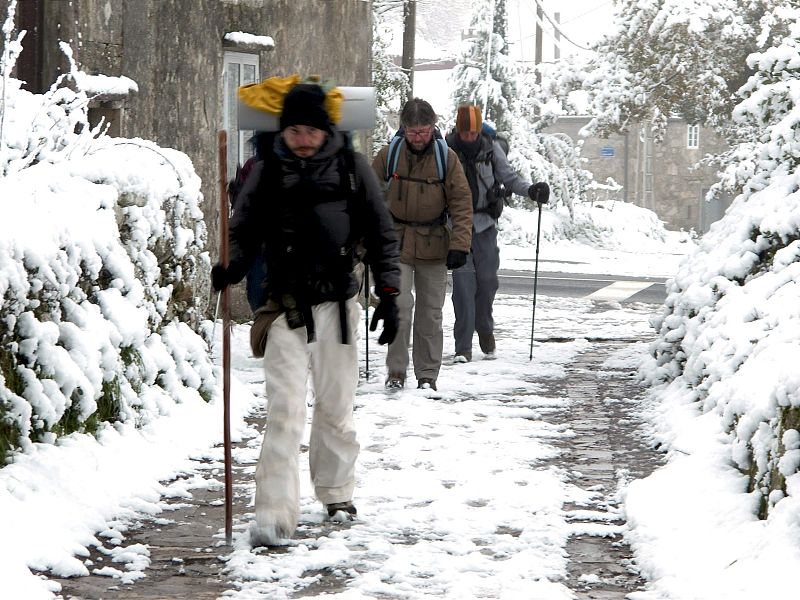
(474,288)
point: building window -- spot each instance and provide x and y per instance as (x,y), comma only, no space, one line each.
(238,69)
(693,136)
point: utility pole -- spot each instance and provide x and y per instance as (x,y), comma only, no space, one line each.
(557,37)
(489,40)
(409,29)
(538,56)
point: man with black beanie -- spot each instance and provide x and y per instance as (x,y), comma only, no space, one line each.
(309,206)
(475,284)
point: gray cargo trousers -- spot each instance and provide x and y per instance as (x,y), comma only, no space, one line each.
(429,282)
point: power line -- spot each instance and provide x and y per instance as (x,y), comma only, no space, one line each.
(591,10)
(554,25)
(557,28)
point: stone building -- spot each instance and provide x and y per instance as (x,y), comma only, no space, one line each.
(657,176)
(187,63)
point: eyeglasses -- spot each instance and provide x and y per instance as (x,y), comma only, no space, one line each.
(420,132)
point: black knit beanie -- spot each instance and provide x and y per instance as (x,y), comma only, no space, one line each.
(305,105)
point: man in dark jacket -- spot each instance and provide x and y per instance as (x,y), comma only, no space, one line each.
(309,205)
(475,284)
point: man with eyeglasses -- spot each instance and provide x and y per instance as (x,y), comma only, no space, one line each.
(433,218)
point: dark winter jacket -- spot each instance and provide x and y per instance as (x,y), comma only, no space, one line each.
(412,202)
(490,163)
(312,222)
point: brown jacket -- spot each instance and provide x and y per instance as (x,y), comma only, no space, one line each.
(418,203)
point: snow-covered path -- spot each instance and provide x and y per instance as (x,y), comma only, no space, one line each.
(457,492)
(473,492)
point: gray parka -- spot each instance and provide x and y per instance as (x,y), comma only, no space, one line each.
(491,163)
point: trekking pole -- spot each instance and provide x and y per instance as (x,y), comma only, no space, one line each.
(536,271)
(226,333)
(366,319)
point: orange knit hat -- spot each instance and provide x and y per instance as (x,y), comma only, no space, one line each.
(468,118)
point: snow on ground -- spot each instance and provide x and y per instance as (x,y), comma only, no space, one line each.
(413,469)
(456,498)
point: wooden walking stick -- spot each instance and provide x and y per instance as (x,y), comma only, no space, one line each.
(224,208)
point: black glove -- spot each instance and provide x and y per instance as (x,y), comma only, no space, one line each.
(539,192)
(220,278)
(388,313)
(456,259)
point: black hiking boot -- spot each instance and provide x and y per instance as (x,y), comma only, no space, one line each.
(341,511)
(426,383)
(395,381)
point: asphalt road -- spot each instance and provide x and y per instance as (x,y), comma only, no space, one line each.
(650,290)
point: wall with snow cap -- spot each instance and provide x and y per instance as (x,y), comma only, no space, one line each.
(103,274)
(729,335)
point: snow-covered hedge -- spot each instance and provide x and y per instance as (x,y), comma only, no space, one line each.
(604,224)
(103,273)
(729,335)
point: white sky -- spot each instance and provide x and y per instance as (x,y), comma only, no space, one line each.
(582,21)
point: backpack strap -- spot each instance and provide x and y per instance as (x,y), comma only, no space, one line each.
(349,183)
(394,156)
(441,153)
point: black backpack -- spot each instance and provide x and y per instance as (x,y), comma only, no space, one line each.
(262,142)
(498,137)
(497,195)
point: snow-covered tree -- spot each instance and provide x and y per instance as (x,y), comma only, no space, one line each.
(554,158)
(767,121)
(670,57)
(391,84)
(469,75)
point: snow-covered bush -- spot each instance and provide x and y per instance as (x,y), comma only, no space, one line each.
(729,334)
(602,225)
(103,272)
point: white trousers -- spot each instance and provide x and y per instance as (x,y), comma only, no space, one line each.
(333,447)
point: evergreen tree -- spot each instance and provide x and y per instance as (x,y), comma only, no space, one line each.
(391,84)
(507,73)
(469,76)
